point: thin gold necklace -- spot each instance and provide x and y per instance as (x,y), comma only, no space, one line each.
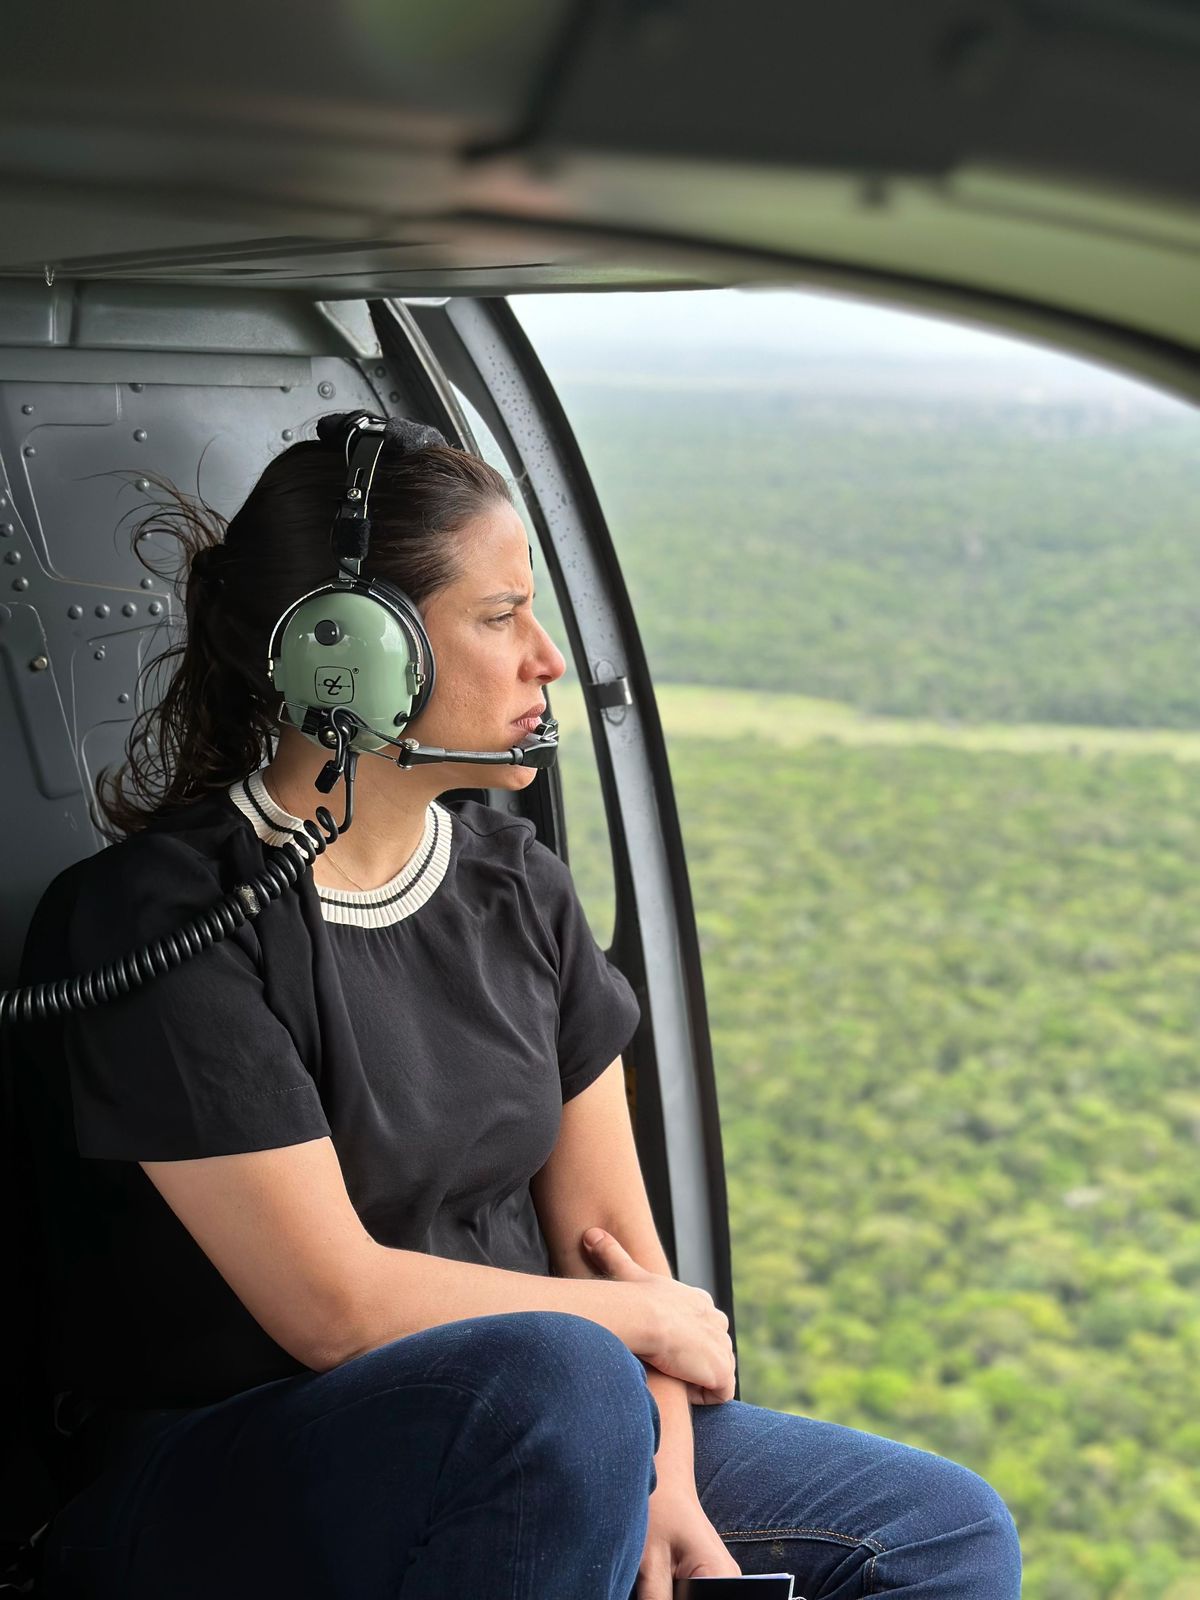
(346,875)
(333,859)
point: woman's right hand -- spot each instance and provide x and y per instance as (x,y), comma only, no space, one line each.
(690,1340)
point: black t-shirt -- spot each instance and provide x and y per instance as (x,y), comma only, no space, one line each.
(432,1028)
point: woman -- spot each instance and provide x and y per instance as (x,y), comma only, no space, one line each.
(327,1316)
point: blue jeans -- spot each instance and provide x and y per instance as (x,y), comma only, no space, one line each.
(507,1456)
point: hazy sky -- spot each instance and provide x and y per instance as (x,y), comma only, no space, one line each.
(731,318)
(598,335)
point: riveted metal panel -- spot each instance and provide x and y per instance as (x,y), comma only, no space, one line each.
(80,616)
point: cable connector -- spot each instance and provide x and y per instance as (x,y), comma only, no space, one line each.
(250,901)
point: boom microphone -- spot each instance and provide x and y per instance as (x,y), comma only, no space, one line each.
(536,749)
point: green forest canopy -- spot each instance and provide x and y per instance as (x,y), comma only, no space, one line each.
(968,976)
(976,559)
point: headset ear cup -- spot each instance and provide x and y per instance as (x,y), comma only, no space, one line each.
(363,646)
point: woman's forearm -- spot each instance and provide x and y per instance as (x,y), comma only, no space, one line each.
(398,1292)
(676,1456)
(391,1293)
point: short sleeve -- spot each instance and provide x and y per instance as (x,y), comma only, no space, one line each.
(194,1062)
(598,1011)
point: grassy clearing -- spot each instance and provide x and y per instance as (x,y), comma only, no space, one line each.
(791,721)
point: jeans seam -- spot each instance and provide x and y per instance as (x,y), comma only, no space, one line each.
(876,1548)
(830,1533)
(869,1582)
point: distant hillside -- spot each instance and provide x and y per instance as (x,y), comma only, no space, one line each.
(909,543)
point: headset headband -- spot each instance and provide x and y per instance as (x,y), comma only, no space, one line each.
(362,435)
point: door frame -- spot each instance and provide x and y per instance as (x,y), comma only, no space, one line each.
(484,351)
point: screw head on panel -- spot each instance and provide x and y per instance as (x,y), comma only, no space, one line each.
(288,434)
(129,609)
(143,484)
(123,698)
(97,655)
(102,610)
(326,390)
(75,612)
(27,410)
(137,387)
(30,450)
(13,558)
(38,664)
(154,608)
(381,372)
(21,583)
(140,435)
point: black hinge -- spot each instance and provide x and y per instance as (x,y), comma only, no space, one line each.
(611,694)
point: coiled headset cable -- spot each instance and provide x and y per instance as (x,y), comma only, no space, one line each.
(322,631)
(281,870)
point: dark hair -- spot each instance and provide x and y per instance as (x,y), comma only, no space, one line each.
(216,721)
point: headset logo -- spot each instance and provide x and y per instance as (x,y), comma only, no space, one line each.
(334,685)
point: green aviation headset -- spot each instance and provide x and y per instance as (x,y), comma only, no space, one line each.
(353,664)
(352,659)
(357,643)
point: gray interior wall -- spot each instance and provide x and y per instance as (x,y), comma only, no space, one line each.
(98,384)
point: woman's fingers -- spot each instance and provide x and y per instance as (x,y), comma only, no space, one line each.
(611,1256)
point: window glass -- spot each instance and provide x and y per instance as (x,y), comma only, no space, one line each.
(922,606)
(588,843)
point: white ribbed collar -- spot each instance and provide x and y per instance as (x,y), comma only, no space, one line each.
(369,908)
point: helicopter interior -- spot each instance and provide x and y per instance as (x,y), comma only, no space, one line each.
(202,253)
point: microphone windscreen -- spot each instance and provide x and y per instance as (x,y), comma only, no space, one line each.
(541,758)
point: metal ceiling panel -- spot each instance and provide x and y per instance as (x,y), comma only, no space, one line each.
(1023,154)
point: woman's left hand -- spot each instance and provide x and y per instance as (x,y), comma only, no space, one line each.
(680,1543)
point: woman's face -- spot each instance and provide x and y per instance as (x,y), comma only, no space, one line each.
(493,658)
